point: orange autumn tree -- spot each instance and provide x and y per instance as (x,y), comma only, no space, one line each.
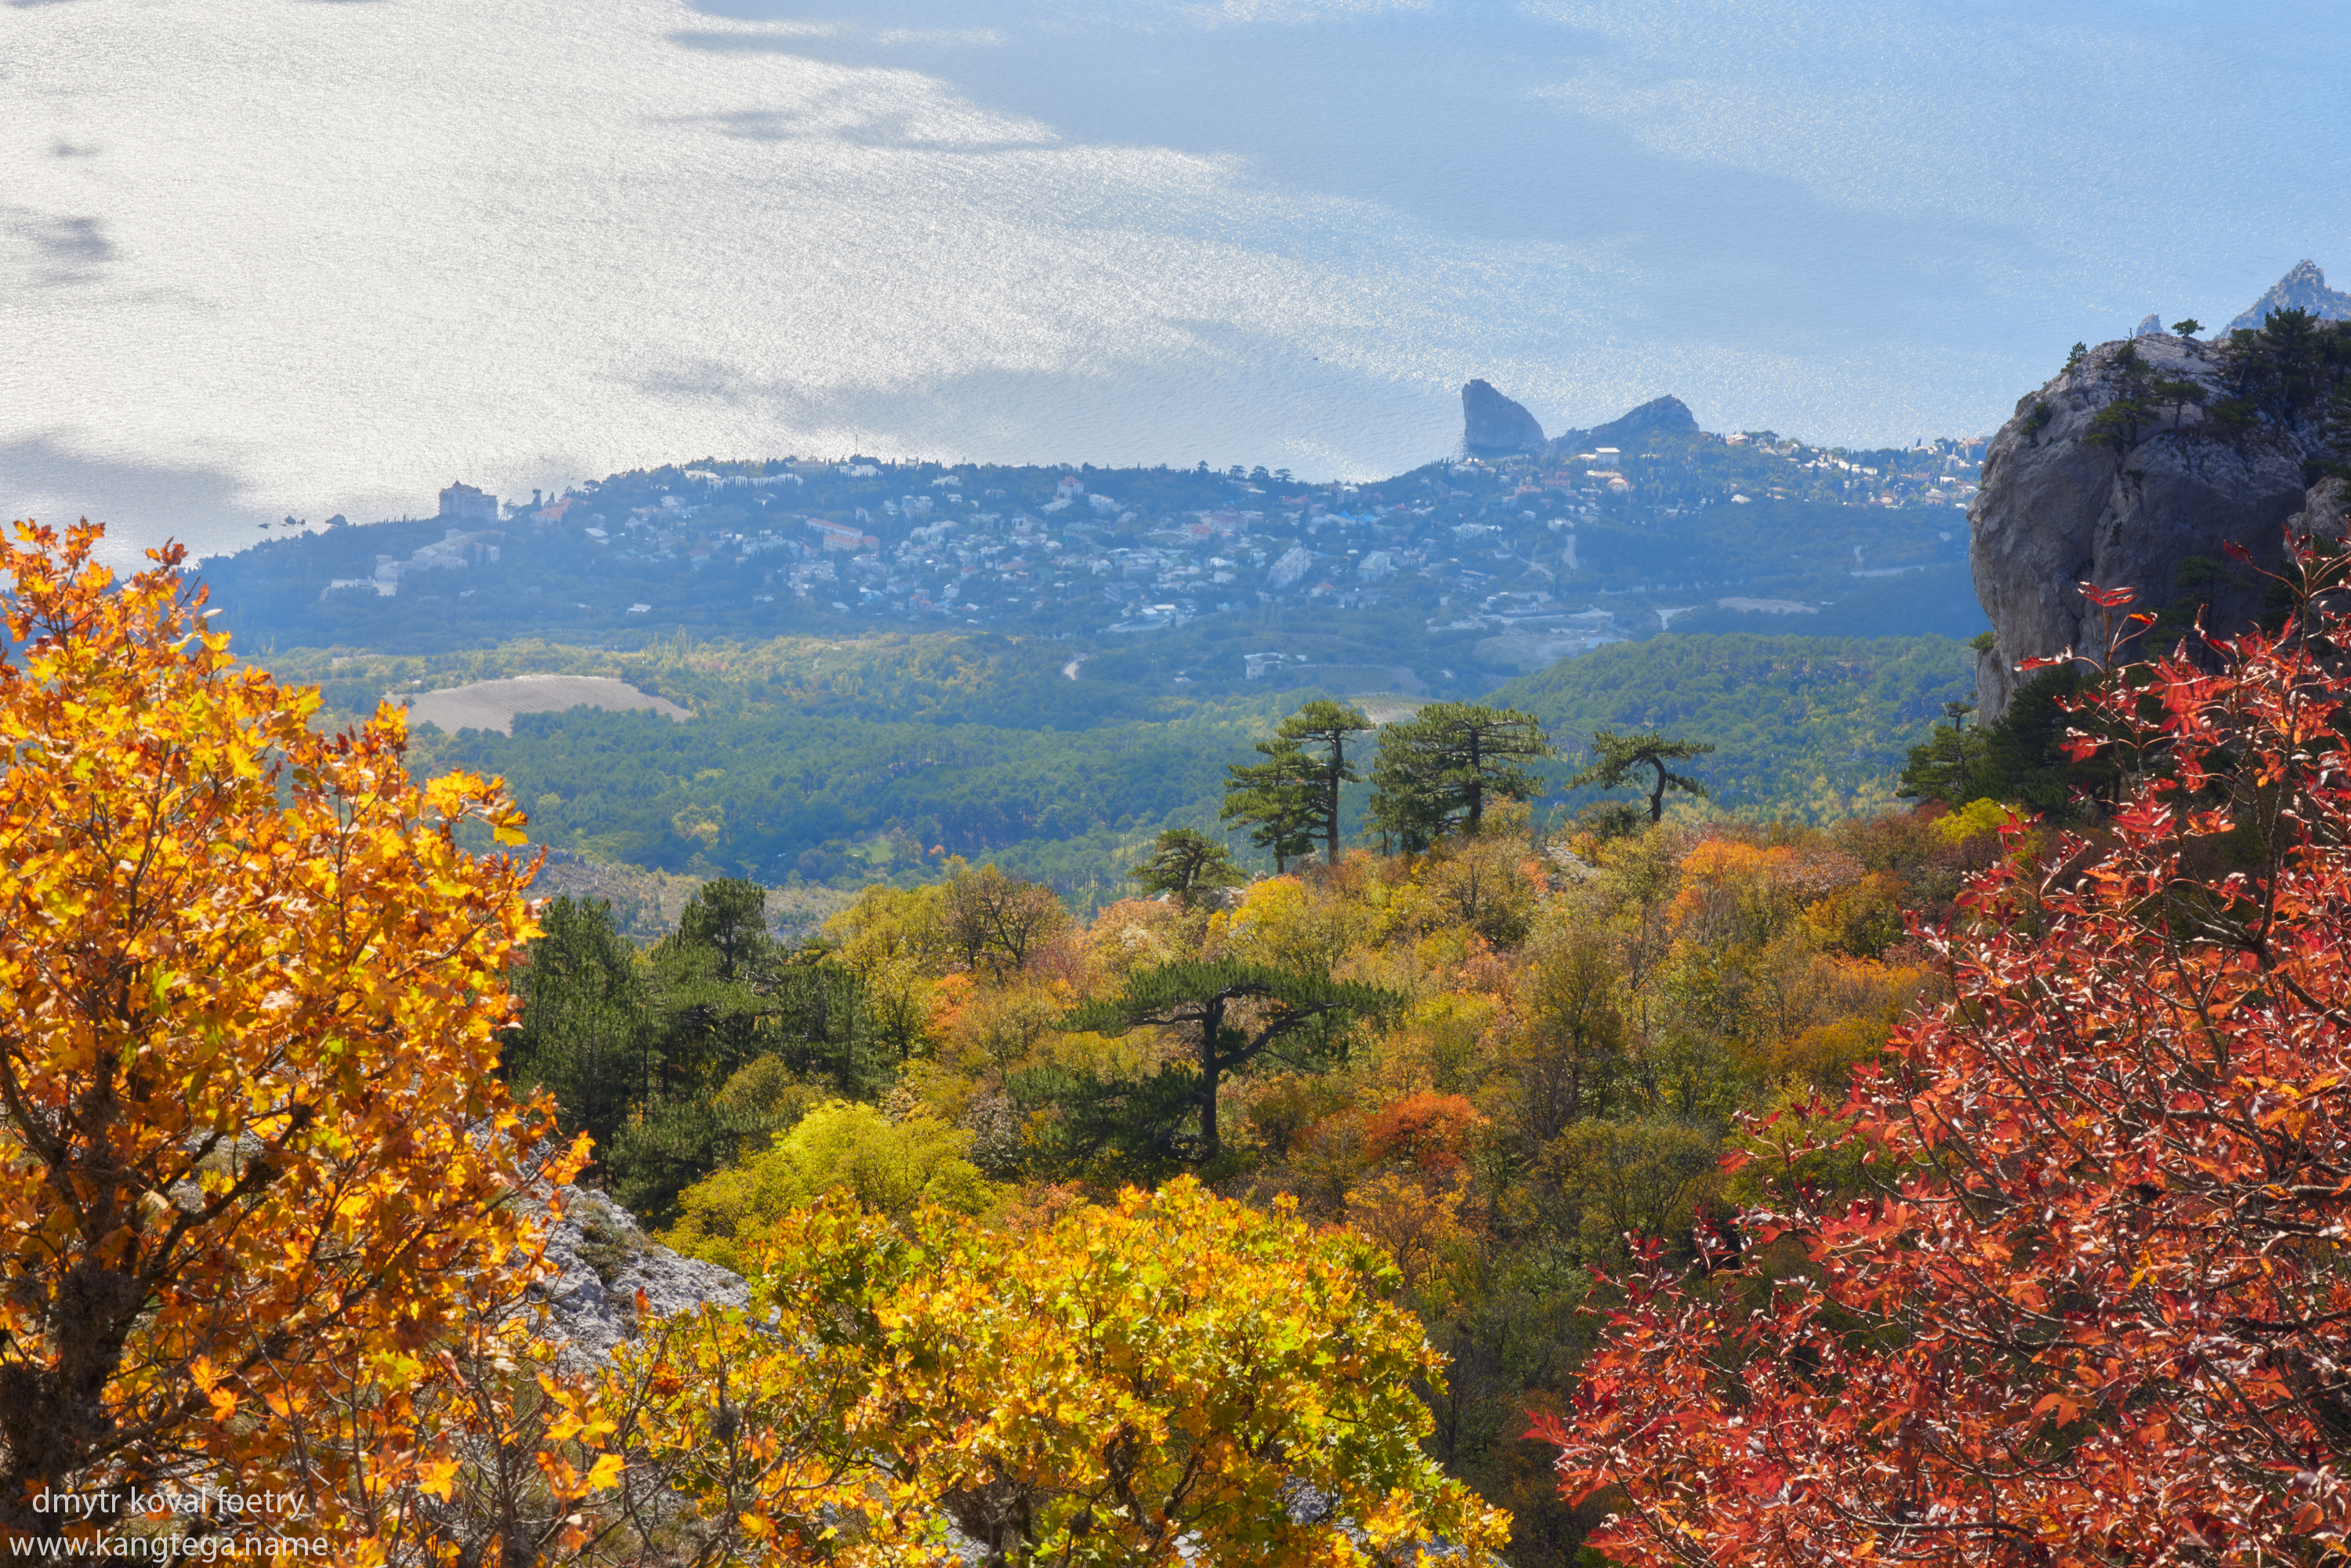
(253,1159)
(2093,1308)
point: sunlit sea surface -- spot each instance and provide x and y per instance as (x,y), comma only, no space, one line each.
(261,258)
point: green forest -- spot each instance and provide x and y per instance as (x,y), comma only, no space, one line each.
(839,763)
(1815,727)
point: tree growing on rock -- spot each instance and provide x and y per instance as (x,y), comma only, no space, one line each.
(1185,862)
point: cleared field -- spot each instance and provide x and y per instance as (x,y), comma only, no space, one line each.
(1387,707)
(492,705)
(1770,606)
(1528,652)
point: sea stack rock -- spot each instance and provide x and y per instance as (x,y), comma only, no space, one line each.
(2303,288)
(2074,494)
(1493,424)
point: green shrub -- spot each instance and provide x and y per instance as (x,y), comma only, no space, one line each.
(891,1167)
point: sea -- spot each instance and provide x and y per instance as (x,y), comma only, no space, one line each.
(291,258)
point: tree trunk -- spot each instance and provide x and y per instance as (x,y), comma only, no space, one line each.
(1212,1026)
(1658,795)
(1330,803)
(1476,786)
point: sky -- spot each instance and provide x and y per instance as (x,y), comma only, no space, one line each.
(270,257)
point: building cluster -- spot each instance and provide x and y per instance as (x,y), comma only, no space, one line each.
(456,548)
(976,557)
(1503,543)
(1480,540)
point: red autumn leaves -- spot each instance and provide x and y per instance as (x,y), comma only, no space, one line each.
(2088,1304)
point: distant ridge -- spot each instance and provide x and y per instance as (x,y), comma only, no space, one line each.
(2303,288)
(1494,426)
(1667,415)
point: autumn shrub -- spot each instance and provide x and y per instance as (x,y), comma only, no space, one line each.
(1444,1043)
(1432,1132)
(1418,1221)
(1277,1108)
(1614,1187)
(1286,923)
(2088,1306)
(888,1167)
(1327,1159)
(766,1097)
(1171,1377)
(1483,883)
(1573,1033)
(1142,933)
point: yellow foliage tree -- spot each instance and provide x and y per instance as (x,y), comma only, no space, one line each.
(254,1156)
(895,939)
(1174,1378)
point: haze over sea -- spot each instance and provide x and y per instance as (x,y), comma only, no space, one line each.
(272,257)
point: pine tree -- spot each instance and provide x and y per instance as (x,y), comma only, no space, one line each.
(1275,797)
(1616,757)
(1235,1012)
(1436,772)
(1325,724)
(1184,862)
(585,1034)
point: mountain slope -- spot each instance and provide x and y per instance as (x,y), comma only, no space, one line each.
(1809,726)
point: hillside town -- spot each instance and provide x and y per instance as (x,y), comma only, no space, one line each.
(1576,549)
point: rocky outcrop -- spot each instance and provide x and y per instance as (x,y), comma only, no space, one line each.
(2152,326)
(1662,417)
(2325,511)
(2303,288)
(1493,424)
(601,1259)
(2149,497)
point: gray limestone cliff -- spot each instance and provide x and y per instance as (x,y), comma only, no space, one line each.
(2303,288)
(1493,424)
(2138,467)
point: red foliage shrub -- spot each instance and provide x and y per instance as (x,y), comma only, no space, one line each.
(1430,1130)
(2094,1309)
